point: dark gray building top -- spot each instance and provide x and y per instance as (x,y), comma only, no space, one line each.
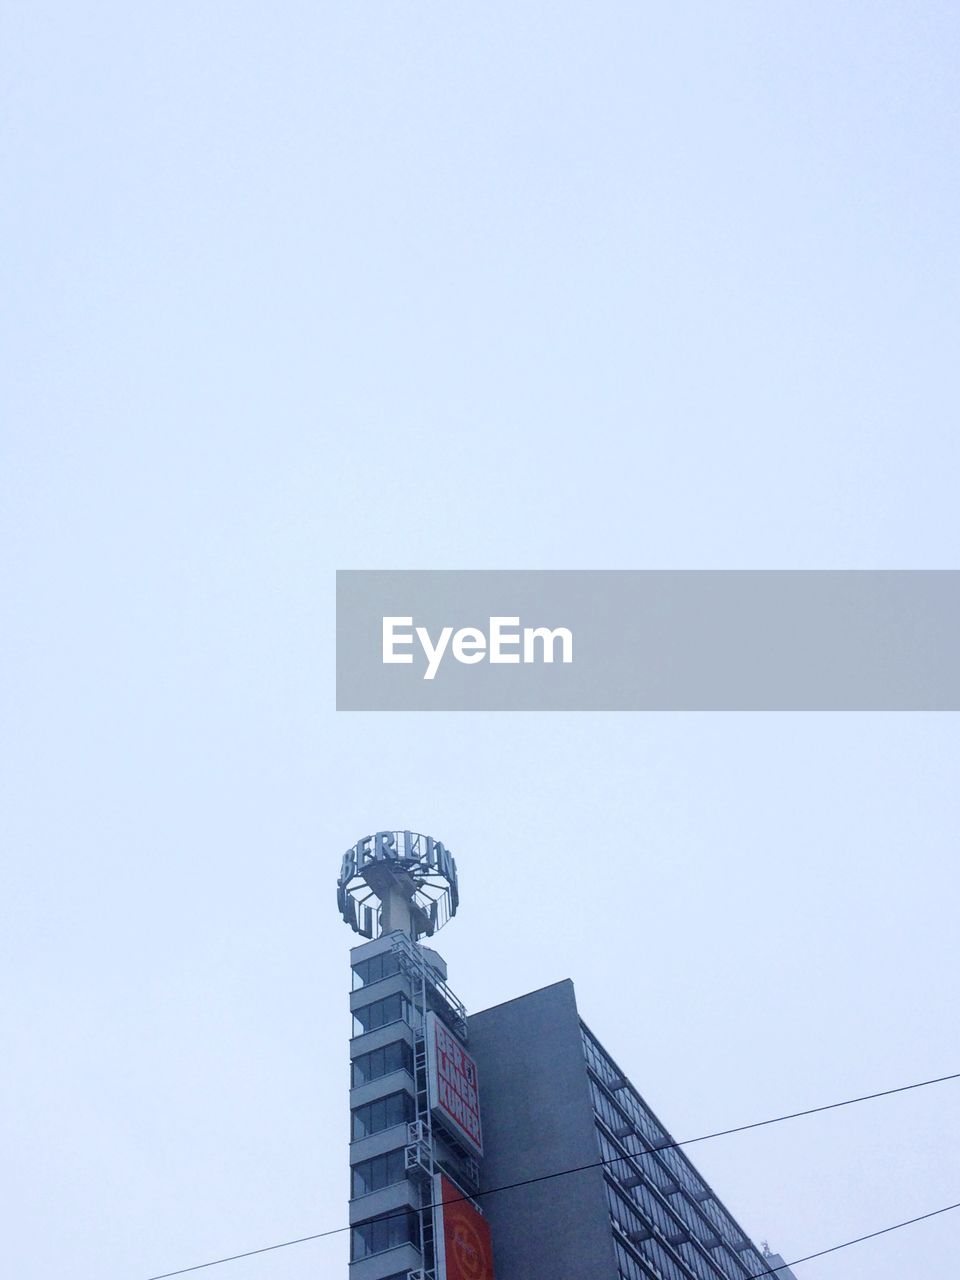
(538,1117)
(552,1099)
(780,1269)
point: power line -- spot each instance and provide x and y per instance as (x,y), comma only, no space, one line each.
(757,1275)
(596,1164)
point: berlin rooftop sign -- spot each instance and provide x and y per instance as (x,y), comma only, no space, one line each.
(397,880)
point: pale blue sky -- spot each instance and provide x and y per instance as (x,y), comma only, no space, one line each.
(517,286)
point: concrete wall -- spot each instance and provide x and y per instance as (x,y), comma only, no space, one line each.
(537,1118)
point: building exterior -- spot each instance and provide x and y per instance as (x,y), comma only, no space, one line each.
(552,1099)
(414,1119)
(415,1129)
(507,1145)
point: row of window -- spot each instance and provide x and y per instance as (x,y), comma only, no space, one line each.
(638,1112)
(670,1166)
(397,1056)
(379,1012)
(668,1170)
(380,1234)
(379,1171)
(644,1196)
(384,965)
(630,1268)
(597,1060)
(679,1211)
(636,1221)
(675,1217)
(752,1262)
(631,1222)
(384,1113)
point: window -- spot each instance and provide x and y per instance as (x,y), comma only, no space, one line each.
(381,1171)
(380,1062)
(698,1263)
(630,1269)
(603,1067)
(754,1264)
(380,1234)
(382,966)
(379,1013)
(396,1108)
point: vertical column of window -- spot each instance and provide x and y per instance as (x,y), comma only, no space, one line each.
(625,1215)
(622,1117)
(597,1059)
(614,1161)
(695,1260)
(683,1171)
(663,1260)
(639,1227)
(736,1265)
(644,1119)
(640,1208)
(727,1229)
(726,1262)
(752,1262)
(668,1223)
(657,1172)
(630,1268)
(612,1116)
(638,1221)
(639,1113)
(700,1225)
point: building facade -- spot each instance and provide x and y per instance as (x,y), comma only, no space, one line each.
(415,1129)
(507,1145)
(636,1209)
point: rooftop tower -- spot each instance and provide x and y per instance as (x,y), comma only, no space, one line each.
(578,1178)
(415,1134)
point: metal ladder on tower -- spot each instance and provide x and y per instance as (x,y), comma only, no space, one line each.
(419,1152)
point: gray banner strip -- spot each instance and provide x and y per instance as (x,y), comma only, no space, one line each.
(648,640)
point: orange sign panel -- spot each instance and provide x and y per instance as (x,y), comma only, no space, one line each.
(467,1252)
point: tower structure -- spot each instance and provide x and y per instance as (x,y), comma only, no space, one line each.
(580,1179)
(415,1133)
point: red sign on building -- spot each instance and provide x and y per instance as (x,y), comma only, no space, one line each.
(466,1253)
(454,1092)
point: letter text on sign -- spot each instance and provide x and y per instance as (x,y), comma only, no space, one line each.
(454,1089)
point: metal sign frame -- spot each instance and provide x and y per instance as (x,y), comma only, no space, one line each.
(423,868)
(453,1084)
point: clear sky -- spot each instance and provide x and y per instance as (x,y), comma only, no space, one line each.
(301,287)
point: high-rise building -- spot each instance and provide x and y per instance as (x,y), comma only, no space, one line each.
(507,1145)
(636,1207)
